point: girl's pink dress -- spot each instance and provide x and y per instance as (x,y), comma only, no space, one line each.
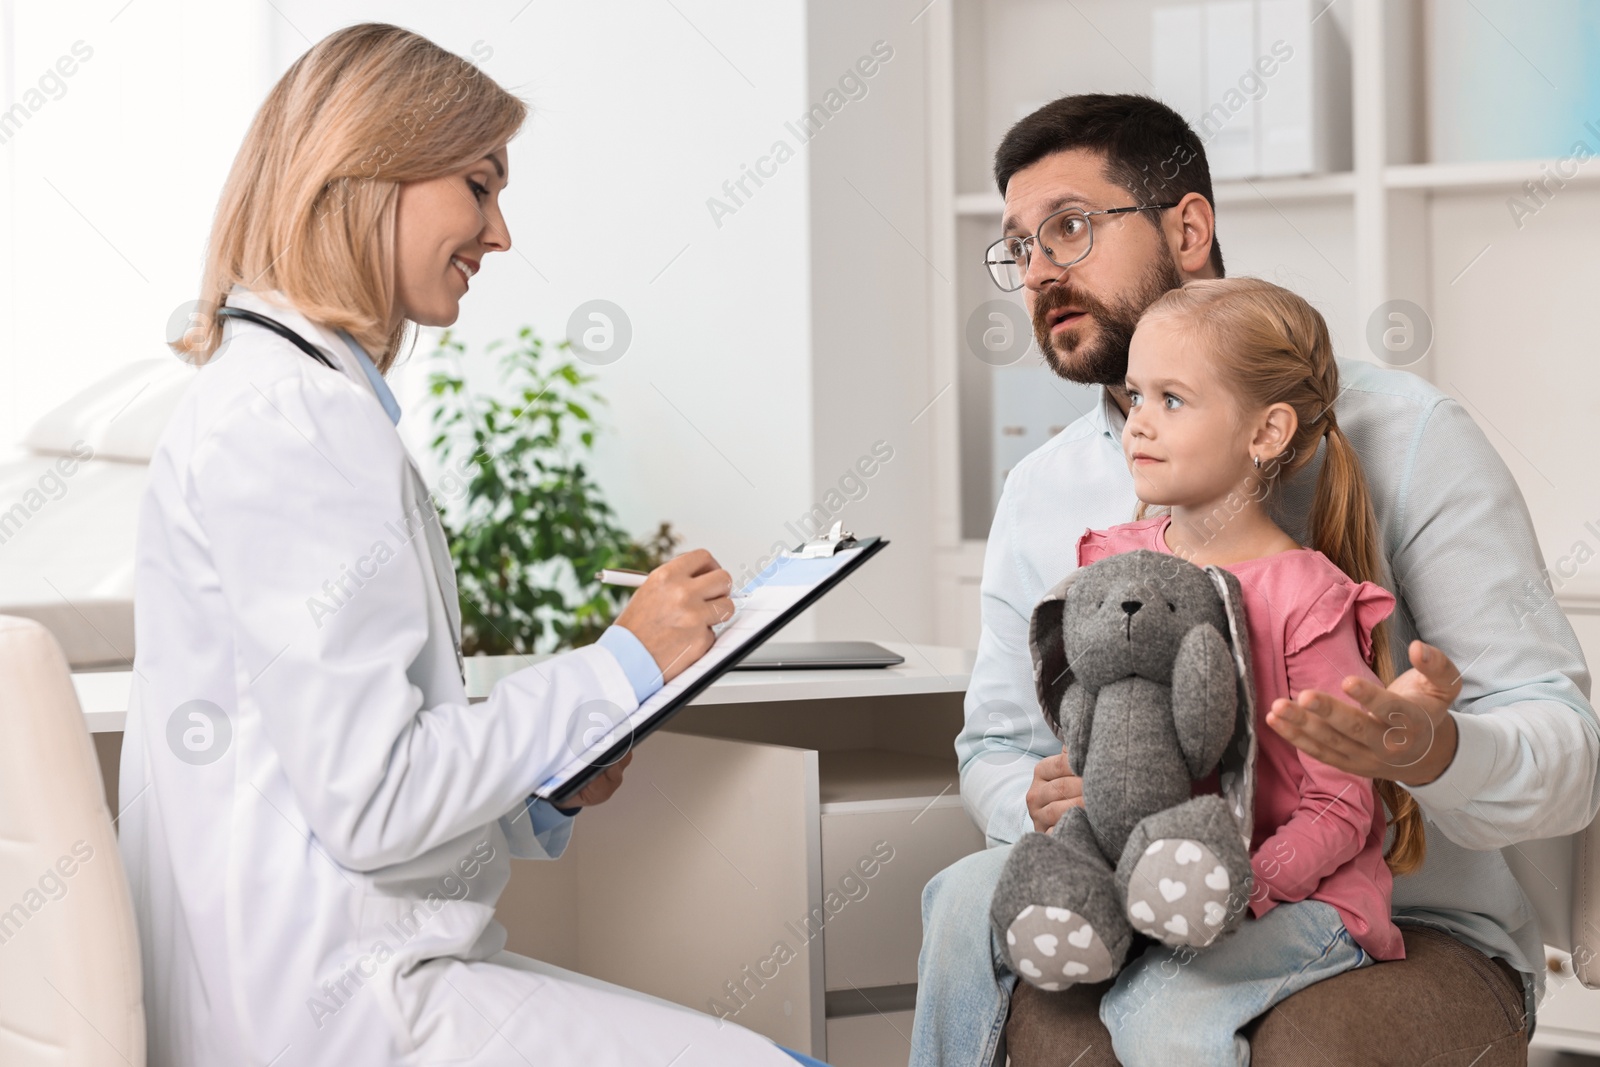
(1318,831)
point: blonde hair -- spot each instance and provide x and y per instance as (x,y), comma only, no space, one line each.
(1271,347)
(309,206)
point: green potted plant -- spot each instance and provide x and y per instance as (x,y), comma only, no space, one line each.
(532,530)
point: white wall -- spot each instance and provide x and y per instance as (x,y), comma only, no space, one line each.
(637,120)
(772,346)
(1515,344)
(872,269)
(108,187)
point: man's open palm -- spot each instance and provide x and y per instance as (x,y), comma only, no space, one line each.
(1403,733)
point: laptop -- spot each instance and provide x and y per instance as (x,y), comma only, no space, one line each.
(818,655)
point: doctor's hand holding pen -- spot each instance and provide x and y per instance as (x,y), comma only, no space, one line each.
(675,608)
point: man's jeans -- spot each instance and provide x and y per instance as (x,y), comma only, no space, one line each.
(963,987)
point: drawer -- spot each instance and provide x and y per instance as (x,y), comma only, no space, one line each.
(878,852)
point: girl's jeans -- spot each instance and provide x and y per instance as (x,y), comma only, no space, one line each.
(1187,1006)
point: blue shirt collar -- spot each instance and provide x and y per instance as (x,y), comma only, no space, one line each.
(385,397)
(1106,417)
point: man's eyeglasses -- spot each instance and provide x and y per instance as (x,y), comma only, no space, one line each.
(1064,238)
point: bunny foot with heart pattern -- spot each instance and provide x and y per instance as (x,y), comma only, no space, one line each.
(1183,888)
(1057,909)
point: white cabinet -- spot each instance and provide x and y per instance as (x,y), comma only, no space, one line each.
(890,821)
(1569,1018)
(766,858)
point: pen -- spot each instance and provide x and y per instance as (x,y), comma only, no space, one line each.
(635,579)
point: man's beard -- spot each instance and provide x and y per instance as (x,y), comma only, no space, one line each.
(1104,359)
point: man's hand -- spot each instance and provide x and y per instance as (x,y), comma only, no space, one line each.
(600,788)
(1055,789)
(1403,733)
(673,611)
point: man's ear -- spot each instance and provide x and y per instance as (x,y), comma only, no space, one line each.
(1188,229)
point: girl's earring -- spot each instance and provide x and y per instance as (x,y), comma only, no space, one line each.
(1258,461)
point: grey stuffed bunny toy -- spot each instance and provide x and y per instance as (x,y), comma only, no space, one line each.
(1141,663)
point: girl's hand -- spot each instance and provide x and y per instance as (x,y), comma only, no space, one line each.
(1403,733)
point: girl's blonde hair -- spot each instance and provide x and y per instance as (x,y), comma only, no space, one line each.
(309,206)
(1271,347)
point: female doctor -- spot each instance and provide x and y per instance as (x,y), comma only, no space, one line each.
(318,822)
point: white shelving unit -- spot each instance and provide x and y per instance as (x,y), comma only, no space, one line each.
(1495,177)
(1311,187)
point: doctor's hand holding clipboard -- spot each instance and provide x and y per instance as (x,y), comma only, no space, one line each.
(672,614)
(318,886)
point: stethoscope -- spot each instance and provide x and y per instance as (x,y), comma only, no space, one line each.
(278,328)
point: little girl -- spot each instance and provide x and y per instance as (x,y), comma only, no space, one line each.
(1231,386)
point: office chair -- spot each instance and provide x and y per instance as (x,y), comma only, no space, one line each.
(70,989)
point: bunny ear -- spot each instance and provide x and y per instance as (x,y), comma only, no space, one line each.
(1237,769)
(1046,641)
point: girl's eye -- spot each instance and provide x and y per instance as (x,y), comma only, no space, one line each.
(1172,403)
(477,190)
(1133,398)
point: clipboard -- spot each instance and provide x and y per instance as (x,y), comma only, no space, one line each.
(768,602)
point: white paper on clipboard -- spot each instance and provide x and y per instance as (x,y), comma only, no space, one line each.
(767,596)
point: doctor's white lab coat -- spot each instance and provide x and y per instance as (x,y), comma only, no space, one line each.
(315,822)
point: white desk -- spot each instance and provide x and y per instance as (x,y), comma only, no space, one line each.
(757,807)
(103,695)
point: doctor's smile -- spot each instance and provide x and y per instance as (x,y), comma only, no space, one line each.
(465,267)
